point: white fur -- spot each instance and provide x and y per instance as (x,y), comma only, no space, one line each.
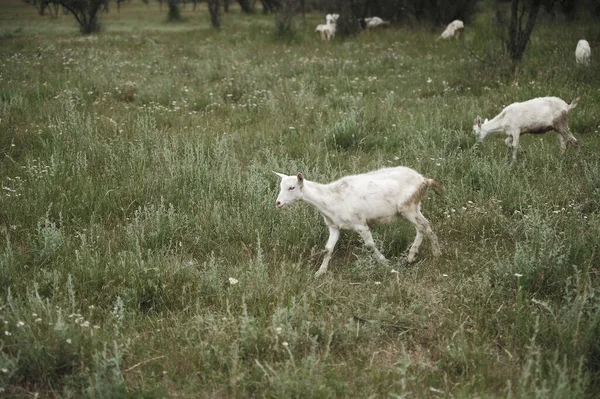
(453,29)
(355,202)
(539,115)
(583,53)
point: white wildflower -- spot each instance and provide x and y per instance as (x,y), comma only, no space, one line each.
(518,275)
(20,324)
(69,341)
(284,343)
(278,330)
(233,281)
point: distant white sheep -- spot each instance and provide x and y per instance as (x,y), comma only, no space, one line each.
(357,202)
(536,116)
(453,29)
(583,53)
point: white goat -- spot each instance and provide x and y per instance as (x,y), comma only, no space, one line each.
(536,116)
(358,201)
(453,29)
(583,53)
(327,31)
(372,22)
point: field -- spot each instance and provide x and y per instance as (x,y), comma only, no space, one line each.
(142,254)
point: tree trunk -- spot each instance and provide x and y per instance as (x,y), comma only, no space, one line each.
(518,36)
(213,9)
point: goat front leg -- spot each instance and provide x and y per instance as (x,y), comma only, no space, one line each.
(365,234)
(334,235)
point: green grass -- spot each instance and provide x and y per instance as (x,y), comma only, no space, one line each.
(136,180)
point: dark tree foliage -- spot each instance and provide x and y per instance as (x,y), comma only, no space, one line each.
(174,14)
(246,6)
(213,9)
(516,32)
(270,6)
(350,12)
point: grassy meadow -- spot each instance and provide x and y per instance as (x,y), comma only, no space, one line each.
(142,255)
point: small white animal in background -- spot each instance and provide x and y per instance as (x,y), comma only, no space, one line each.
(536,116)
(583,52)
(327,31)
(372,22)
(453,29)
(358,201)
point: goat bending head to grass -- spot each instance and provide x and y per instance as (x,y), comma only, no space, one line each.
(358,201)
(536,116)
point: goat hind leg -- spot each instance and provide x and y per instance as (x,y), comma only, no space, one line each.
(422,225)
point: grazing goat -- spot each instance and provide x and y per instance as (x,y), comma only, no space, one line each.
(536,116)
(372,22)
(583,53)
(453,29)
(358,201)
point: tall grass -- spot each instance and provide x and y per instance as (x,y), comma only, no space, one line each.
(142,254)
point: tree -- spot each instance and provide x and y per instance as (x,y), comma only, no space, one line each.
(517,37)
(84,11)
(213,9)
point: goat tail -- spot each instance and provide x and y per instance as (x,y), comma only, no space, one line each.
(436,187)
(574,103)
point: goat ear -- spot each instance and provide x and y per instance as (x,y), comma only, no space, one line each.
(478,120)
(281,176)
(300,178)
(486,120)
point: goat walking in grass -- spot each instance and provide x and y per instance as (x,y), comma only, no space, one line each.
(356,202)
(453,30)
(536,116)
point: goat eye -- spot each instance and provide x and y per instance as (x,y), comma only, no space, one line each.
(291,188)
